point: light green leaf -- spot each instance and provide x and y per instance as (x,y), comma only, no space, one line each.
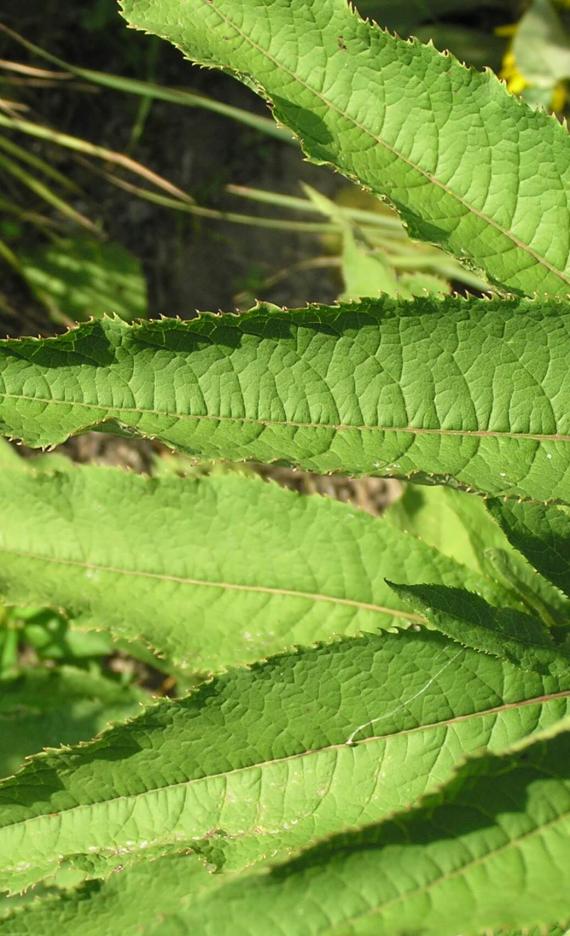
(133,901)
(365,273)
(454,522)
(472,393)
(9,457)
(459,526)
(489,852)
(467,166)
(420,284)
(79,279)
(542,534)
(208,571)
(259,762)
(45,708)
(504,632)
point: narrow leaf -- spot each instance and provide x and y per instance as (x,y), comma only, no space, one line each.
(467,165)
(488,853)
(410,389)
(504,632)
(259,762)
(542,534)
(208,571)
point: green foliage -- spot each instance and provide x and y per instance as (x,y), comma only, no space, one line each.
(68,540)
(257,763)
(357,98)
(434,867)
(377,389)
(45,708)
(83,278)
(542,534)
(472,622)
(375,733)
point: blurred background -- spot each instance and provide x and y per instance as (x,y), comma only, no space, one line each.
(132,183)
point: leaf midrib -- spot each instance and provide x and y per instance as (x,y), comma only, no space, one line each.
(526,248)
(260,765)
(294,424)
(226,586)
(459,872)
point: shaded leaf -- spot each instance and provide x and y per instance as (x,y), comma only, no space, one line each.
(79,279)
(46,708)
(541,533)
(504,632)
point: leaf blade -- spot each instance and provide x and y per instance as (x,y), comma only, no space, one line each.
(504,632)
(260,762)
(541,534)
(406,390)
(358,97)
(209,571)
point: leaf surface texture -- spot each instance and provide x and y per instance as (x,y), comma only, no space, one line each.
(472,393)
(260,762)
(208,571)
(466,164)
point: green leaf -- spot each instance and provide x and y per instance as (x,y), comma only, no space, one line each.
(460,526)
(134,900)
(382,388)
(455,523)
(490,851)
(539,597)
(208,571)
(259,762)
(504,632)
(542,534)
(466,165)
(365,273)
(45,708)
(82,278)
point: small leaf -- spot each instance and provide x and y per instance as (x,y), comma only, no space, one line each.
(504,632)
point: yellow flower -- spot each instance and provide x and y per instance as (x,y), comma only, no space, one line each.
(516,81)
